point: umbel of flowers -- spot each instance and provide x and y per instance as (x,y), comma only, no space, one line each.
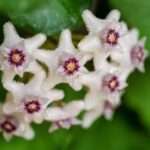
(115,51)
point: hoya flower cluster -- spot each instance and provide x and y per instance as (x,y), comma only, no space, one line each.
(114,50)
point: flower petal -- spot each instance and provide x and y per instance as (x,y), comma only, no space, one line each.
(65,42)
(91,116)
(55,114)
(35,41)
(11,35)
(90,44)
(114,15)
(74,108)
(93,24)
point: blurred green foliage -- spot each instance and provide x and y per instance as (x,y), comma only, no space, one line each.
(127,129)
(103,135)
(138,95)
(47,16)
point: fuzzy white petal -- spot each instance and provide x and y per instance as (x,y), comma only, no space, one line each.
(35,41)
(11,35)
(93,24)
(65,42)
(90,44)
(74,108)
(55,114)
(91,116)
(113,15)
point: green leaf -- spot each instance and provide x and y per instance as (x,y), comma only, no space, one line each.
(118,134)
(137,94)
(111,135)
(136,13)
(47,16)
(70,94)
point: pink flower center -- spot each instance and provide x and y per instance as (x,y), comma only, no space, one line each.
(9,125)
(71,66)
(16,57)
(137,55)
(32,106)
(112,37)
(110,83)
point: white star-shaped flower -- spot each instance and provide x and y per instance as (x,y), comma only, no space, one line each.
(105,90)
(105,107)
(133,54)
(14,125)
(65,63)
(66,116)
(30,99)
(105,84)
(16,52)
(105,36)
